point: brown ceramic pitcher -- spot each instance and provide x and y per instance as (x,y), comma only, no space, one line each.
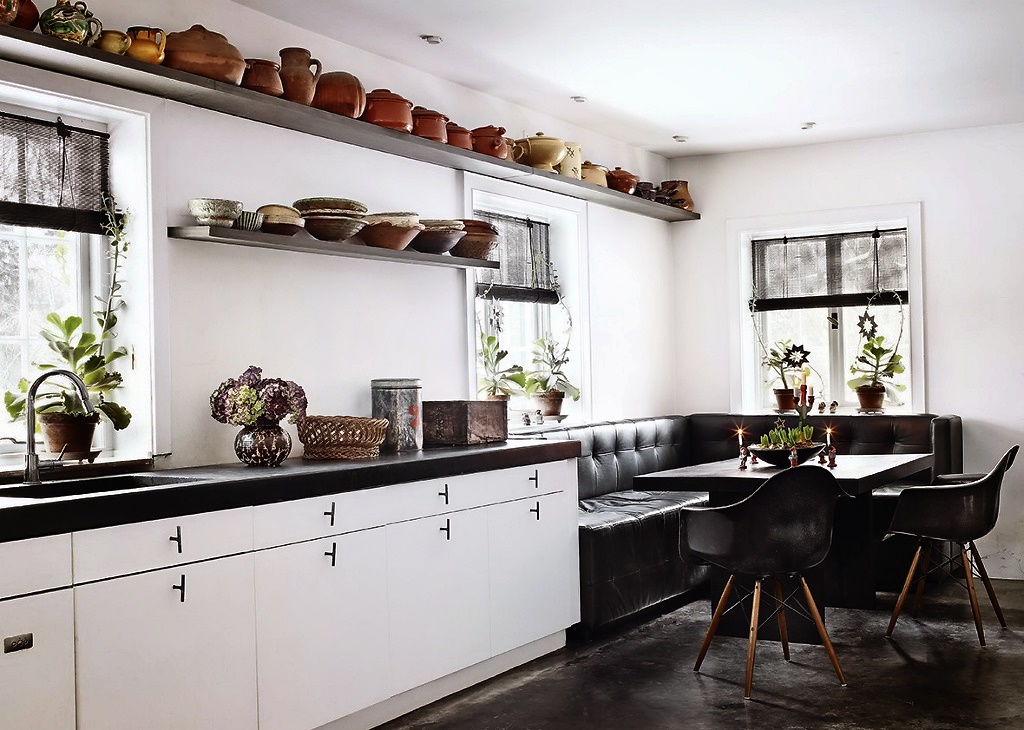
(298,80)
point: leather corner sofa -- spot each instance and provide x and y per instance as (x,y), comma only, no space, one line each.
(629,559)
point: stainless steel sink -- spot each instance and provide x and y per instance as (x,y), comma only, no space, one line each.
(94,485)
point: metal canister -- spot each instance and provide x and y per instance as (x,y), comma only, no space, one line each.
(400,401)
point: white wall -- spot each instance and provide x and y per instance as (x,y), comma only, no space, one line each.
(970,185)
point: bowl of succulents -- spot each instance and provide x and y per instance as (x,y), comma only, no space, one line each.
(782,445)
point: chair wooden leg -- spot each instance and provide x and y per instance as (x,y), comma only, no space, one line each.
(975,609)
(988,584)
(926,558)
(715,618)
(829,649)
(903,593)
(783,634)
(752,639)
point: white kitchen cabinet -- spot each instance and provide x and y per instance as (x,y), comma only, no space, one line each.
(321,629)
(169,649)
(437,596)
(37,666)
(533,569)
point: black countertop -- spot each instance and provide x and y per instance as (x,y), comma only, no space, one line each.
(57,507)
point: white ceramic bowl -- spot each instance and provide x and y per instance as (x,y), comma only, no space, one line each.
(215,211)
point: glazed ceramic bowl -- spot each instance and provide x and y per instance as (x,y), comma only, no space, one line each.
(395,219)
(622,180)
(322,206)
(249,221)
(437,240)
(386,235)
(480,239)
(333,227)
(215,211)
(279,211)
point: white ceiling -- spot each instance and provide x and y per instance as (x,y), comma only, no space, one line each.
(728,74)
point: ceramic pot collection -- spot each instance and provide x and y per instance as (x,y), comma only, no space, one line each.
(72,23)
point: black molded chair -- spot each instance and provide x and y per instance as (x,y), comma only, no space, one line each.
(956,511)
(782,529)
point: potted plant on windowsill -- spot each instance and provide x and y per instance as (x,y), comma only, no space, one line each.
(547,384)
(875,367)
(497,382)
(784,358)
(62,417)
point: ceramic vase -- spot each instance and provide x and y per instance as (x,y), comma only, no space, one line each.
(28,15)
(297,78)
(572,164)
(72,23)
(264,443)
(147,44)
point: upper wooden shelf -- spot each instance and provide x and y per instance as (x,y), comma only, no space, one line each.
(52,54)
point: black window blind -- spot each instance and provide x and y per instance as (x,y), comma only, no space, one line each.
(52,175)
(523,249)
(840,270)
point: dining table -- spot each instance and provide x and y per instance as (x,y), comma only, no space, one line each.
(847,576)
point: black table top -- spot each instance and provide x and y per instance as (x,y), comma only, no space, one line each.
(856,474)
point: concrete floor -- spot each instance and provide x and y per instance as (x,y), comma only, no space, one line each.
(932,675)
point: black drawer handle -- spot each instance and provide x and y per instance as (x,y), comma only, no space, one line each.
(330,514)
(333,554)
(447,529)
(21,642)
(180,588)
(536,510)
(535,479)
(176,537)
(444,494)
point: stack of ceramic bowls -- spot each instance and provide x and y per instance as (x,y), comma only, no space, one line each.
(281,219)
(390,230)
(438,236)
(332,219)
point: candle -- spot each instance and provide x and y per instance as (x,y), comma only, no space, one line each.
(739,433)
(811,391)
(828,436)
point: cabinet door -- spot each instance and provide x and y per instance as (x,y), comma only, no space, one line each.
(37,666)
(171,649)
(321,629)
(534,569)
(437,596)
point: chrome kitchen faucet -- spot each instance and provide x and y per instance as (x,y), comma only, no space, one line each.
(32,463)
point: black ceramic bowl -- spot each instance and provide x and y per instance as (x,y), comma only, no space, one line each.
(780,457)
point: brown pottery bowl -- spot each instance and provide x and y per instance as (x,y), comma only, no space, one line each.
(325,206)
(386,235)
(333,227)
(204,53)
(480,239)
(436,240)
(622,180)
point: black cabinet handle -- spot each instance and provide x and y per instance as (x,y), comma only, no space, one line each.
(180,588)
(330,514)
(536,510)
(333,554)
(444,493)
(535,479)
(176,537)
(447,529)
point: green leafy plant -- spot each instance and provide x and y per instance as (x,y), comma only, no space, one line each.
(496,380)
(86,354)
(549,361)
(787,438)
(876,365)
(784,358)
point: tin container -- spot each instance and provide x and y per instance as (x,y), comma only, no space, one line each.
(400,401)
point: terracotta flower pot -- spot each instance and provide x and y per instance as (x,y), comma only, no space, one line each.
(549,403)
(784,399)
(871,397)
(72,434)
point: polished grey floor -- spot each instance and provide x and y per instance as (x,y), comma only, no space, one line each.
(932,675)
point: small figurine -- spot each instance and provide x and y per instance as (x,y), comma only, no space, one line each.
(832,406)
(821,456)
(743,457)
(794,460)
(540,417)
(821,406)
(832,458)
(526,419)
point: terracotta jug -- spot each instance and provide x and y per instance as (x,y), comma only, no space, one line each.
(8,11)
(298,81)
(72,23)
(204,53)
(262,76)
(28,15)
(147,44)
(341,93)
(113,41)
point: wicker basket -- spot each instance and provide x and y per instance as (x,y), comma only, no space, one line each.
(341,437)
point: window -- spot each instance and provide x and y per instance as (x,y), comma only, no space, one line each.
(814,290)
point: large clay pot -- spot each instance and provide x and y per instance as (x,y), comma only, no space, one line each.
(72,23)
(675,193)
(489,141)
(204,53)
(540,151)
(28,15)
(262,76)
(595,174)
(429,124)
(387,109)
(572,164)
(341,93)
(113,41)
(622,180)
(8,11)
(147,44)
(298,80)
(67,433)
(459,136)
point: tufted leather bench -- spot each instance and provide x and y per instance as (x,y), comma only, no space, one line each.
(629,557)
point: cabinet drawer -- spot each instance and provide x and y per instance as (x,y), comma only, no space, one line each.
(125,549)
(505,485)
(28,566)
(306,519)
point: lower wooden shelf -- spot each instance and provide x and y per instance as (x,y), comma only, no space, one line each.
(304,243)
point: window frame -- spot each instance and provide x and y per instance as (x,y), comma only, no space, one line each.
(744,361)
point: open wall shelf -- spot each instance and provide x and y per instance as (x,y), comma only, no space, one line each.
(52,54)
(304,243)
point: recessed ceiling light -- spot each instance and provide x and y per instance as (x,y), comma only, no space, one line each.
(807,125)
(578,99)
(680,138)
(432,39)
